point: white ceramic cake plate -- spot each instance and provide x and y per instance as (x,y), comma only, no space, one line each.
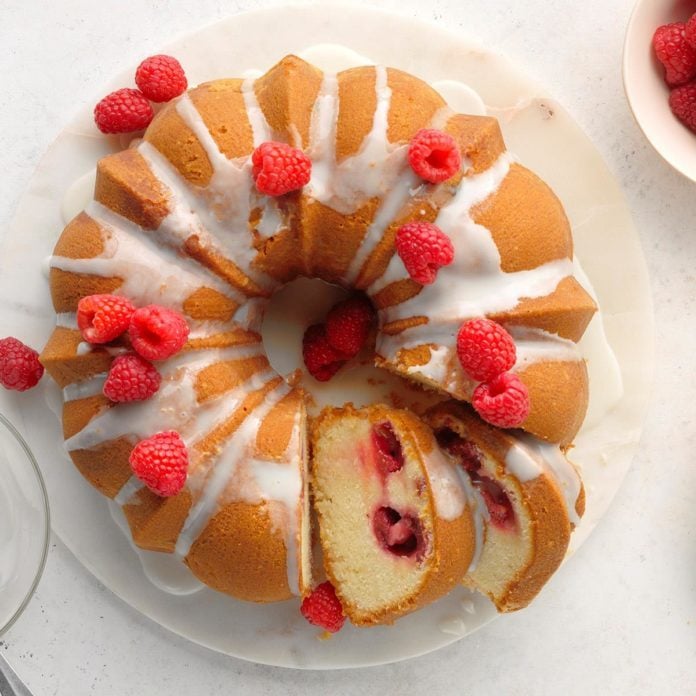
(536,129)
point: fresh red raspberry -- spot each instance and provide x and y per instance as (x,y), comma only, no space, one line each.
(675,53)
(502,401)
(131,378)
(161,78)
(682,101)
(323,608)
(102,318)
(157,333)
(123,111)
(20,368)
(690,31)
(321,359)
(424,248)
(485,349)
(161,463)
(279,168)
(348,325)
(434,155)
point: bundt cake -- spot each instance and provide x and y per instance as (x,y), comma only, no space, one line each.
(395,527)
(530,497)
(177,221)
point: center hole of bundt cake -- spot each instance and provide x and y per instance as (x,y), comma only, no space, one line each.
(498,503)
(390,457)
(296,306)
(399,534)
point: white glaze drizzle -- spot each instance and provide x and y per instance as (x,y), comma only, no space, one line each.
(236,448)
(174,406)
(66,320)
(88,387)
(479,513)
(448,494)
(260,129)
(128,490)
(218,214)
(129,254)
(529,457)
(537,345)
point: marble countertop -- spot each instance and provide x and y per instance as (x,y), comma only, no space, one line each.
(620,616)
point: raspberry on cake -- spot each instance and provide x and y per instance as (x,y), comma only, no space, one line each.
(434,155)
(161,463)
(348,325)
(502,401)
(424,249)
(102,318)
(157,332)
(279,168)
(131,378)
(485,349)
(321,359)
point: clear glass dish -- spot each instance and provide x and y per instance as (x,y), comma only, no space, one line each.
(24,524)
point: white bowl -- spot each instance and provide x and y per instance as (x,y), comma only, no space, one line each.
(646,89)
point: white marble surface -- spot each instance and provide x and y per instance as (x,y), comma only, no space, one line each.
(621,615)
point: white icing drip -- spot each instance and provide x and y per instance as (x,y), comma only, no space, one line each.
(174,406)
(164,570)
(473,285)
(530,457)
(68,320)
(271,221)
(460,97)
(224,206)
(479,513)
(448,494)
(131,255)
(537,345)
(259,126)
(88,387)
(369,173)
(232,453)
(83,348)
(128,490)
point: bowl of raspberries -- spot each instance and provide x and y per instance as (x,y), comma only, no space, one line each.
(659,70)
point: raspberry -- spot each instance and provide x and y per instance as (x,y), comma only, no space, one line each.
(161,78)
(434,155)
(102,318)
(682,101)
(20,368)
(690,31)
(348,325)
(279,168)
(424,248)
(502,401)
(123,111)
(157,333)
(131,378)
(323,608)
(161,463)
(675,54)
(322,360)
(485,349)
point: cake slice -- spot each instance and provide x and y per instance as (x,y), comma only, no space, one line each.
(530,498)
(395,527)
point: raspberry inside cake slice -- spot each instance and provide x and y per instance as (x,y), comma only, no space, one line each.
(395,526)
(529,495)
